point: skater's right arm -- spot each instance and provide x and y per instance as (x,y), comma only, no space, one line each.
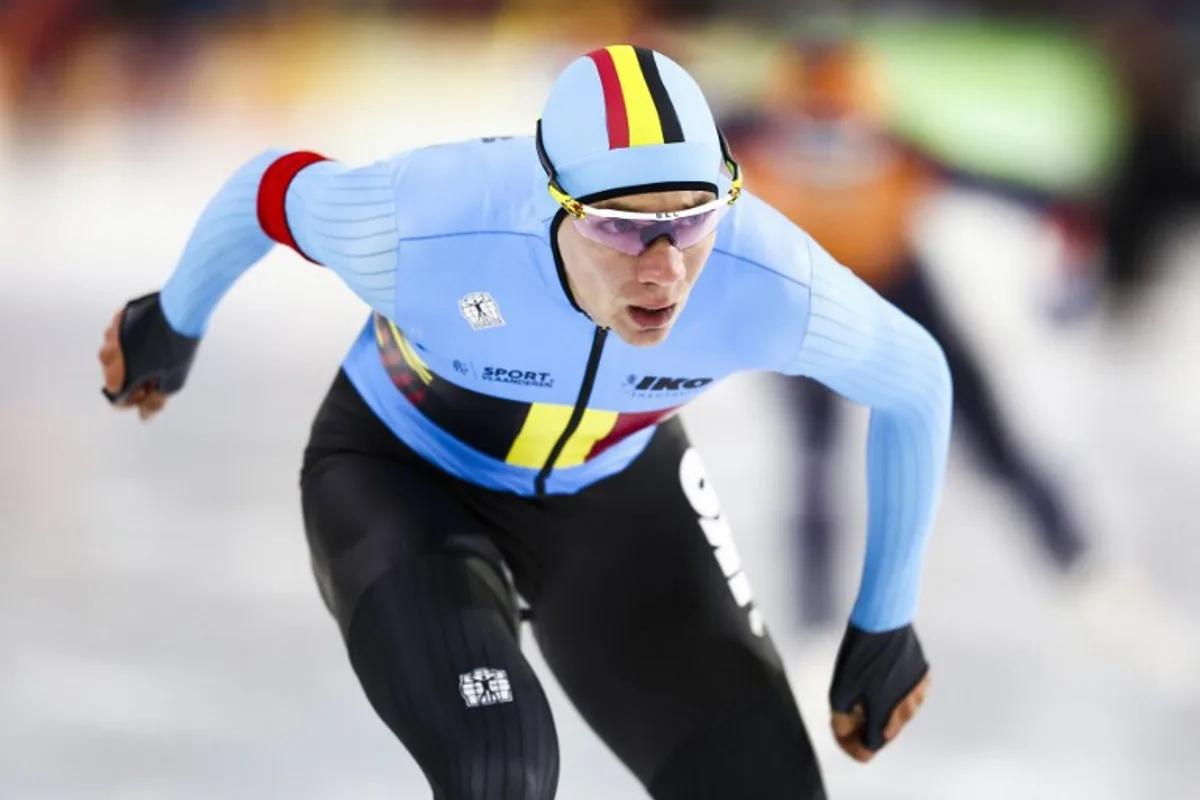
(341,217)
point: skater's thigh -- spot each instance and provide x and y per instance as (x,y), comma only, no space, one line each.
(366,516)
(372,505)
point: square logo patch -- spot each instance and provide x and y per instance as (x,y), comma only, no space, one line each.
(485,687)
(480,311)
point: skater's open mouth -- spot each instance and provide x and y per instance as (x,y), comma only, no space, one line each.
(652,316)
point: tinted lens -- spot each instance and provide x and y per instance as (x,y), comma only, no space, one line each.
(634,236)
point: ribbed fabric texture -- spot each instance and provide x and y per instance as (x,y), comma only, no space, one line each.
(414,633)
(869,352)
(346,219)
(343,218)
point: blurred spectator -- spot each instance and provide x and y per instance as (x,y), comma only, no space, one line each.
(37,39)
(815,150)
(1153,47)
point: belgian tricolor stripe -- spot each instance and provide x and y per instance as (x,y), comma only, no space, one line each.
(481,421)
(518,433)
(409,354)
(545,423)
(637,106)
(628,424)
(598,430)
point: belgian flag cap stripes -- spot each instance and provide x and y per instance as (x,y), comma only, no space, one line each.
(624,117)
(637,107)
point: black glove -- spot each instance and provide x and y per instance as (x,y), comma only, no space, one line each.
(152,350)
(878,671)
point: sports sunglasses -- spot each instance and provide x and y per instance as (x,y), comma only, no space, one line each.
(632,232)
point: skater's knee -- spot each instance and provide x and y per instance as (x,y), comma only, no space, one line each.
(762,752)
(512,754)
(494,774)
(750,777)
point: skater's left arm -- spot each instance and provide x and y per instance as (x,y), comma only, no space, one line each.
(865,349)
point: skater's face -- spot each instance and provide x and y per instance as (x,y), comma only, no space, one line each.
(638,296)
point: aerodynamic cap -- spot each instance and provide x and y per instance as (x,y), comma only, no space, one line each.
(625,117)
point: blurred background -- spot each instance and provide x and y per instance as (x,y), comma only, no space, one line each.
(1022,177)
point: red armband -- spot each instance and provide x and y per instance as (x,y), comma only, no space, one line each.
(272,196)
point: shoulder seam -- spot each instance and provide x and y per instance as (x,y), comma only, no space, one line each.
(763,266)
(812,265)
(806,286)
(455,234)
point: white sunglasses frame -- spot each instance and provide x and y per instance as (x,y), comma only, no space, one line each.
(583,211)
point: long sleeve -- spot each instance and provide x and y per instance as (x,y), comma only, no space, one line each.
(340,217)
(867,350)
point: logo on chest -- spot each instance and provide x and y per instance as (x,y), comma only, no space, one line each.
(480,311)
(650,386)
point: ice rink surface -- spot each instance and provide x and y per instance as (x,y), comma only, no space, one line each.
(161,636)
